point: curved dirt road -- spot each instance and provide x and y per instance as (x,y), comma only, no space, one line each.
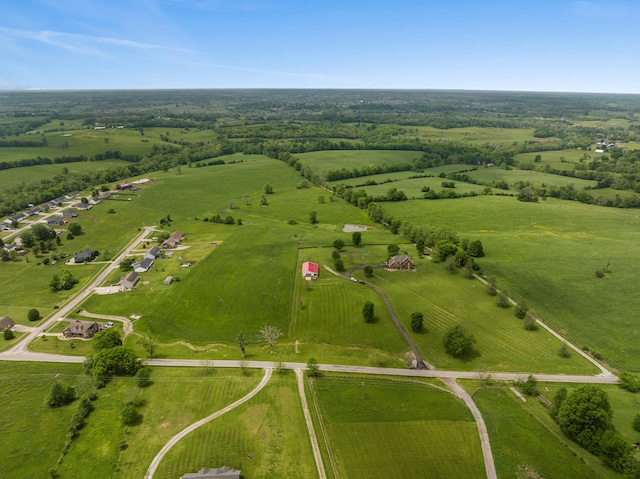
(174,440)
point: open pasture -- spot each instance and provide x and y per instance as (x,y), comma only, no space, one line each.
(176,398)
(502,343)
(265,437)
(524,437)
(413,187)
(379,428)
(33,430)
(474,134)
(547,253)
(557,159)
(322,161)
(537,178)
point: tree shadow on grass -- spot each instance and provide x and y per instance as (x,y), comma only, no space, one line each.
(469,356)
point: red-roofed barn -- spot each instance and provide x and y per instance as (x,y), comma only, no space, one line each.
(309,270)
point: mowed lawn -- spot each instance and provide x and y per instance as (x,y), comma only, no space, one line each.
(378,428)
(32,433)
(176,398)
(265,437)
(547,253)
(524,438)
(502,343)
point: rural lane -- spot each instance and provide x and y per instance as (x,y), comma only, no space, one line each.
(174,440)
(312,433)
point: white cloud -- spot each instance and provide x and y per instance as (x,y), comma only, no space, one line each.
(7,84)
(80,43)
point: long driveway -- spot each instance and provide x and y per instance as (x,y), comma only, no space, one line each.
(174,440)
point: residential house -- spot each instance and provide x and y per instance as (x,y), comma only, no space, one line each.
(34,211)
(84,206)
(55,221)
(309,270)
(81,329)
(86,255)
(152,253)
(6,323)
(143,266)
(224,472)
(104,195)
(19,217)
(124,186)
(173,241)
(71,195)
(70,213)
(128,282)
(94,201)
(400,262)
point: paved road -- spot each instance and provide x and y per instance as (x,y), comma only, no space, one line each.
(73,303)
(312,433)
(174,440)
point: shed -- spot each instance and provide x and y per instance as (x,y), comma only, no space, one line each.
(6,323)
(309,270)
(168,280)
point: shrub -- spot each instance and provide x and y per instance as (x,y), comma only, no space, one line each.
(60,394)
(502,300)
(521,310)
(458,341)
(142,377)
(564,351)
(7,334)
(130,415)
(417,321)
(368,312)
(530,322)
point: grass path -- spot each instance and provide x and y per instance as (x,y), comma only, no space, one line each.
(174,440)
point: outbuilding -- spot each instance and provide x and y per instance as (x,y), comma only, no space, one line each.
(309,270)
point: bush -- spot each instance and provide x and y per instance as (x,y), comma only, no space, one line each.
(142,377)
(521,310)
(368,312)
(130,415)
(629,381)
(105,339)
(502,300)
(417,320)
(7,334)
(368,271)
(564,351)
(33,314)
(458,341)
(530,322)
(60,394)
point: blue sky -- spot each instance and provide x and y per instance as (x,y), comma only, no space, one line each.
(581,46)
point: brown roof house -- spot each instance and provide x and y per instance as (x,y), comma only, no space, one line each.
(224,472)
(128,282)
(81,329)
(173,241)
(400,262)
(6,323)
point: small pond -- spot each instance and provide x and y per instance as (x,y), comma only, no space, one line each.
(348,228)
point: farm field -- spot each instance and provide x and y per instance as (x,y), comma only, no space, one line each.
(475,134)
(176,398)
(33,429)
(264,437)
(322,161)
(502,343)
(372,424)
(546,253)
(524,439)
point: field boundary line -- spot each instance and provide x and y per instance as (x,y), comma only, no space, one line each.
(174,440)
(312,432)
(324,434)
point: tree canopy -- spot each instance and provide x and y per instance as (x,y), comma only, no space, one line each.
(458,340)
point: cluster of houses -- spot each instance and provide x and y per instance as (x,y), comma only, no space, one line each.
(35,210)
(128,282)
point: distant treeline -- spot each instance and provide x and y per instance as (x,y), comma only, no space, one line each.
(23,143)
(5,165)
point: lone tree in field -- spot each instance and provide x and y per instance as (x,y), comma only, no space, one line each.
(270,335)
(268,189)
(149,343)
(417,321)
(368,271)
(60,394)
(33,314)
(368,312)
(585,415)
(338,244)
(313,219)
(356,238)
(241,341)
(458,341)
(393,249)
(75,229)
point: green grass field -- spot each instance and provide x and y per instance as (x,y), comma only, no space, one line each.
(323,161)
(474,134)
(547,253)
(502,343)
(176,398)
(378,428)
(524,438)
(32,433)
(264,438)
